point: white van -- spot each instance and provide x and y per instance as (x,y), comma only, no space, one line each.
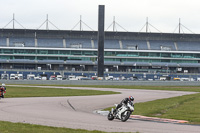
(13,76)
(109,78)
(72,77)
(59,77)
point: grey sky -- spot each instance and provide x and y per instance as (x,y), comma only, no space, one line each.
(130,14)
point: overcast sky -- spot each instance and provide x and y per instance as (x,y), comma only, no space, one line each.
(130,14)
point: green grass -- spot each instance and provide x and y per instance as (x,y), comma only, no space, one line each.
(170,88)
(50,92)
(181,108)
(8,127)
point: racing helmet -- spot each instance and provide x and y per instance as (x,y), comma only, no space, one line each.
(131,98)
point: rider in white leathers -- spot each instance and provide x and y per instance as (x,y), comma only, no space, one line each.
(124,101)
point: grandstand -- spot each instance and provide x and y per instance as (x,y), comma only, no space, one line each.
(77,50)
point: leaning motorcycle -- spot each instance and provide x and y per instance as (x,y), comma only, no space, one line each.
(123,113)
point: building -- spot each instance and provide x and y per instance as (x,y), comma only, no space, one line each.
(77,51)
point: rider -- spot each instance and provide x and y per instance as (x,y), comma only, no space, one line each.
(2,89)
(4,86)
(124,101)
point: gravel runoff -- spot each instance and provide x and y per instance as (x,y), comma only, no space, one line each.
(78,111)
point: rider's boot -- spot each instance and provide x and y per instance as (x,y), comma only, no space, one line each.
(114,111)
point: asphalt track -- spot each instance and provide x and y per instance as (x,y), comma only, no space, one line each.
(78,112)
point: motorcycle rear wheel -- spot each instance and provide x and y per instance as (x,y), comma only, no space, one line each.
(110,116)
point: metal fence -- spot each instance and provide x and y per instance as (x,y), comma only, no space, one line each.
(103,82)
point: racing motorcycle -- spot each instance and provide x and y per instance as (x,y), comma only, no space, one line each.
(123,113)
(2,90)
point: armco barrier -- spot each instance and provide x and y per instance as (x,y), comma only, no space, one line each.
(103,82)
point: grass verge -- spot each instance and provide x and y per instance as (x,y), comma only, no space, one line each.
(169,88)
(8,127)
(50,92)
(181,108)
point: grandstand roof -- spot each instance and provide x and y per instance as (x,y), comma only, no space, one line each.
(93,34)
(88,40)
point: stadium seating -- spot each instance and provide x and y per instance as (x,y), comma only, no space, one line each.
(2,41)
(78,43)
(191,46)
(129,44)
(50,42)
(111,44)
(156,45)
(28,41)
(108,43)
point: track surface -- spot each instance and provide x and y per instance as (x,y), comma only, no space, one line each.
(77,112)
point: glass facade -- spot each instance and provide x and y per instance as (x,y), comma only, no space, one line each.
(91,55)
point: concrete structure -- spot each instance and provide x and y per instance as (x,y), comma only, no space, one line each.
(101,41)
(64,50)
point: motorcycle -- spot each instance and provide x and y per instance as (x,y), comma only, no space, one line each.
(2,90)
(123,113)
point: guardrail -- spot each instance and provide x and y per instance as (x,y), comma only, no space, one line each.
(103,82)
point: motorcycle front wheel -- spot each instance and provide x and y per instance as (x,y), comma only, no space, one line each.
(125,116)
(110,116)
